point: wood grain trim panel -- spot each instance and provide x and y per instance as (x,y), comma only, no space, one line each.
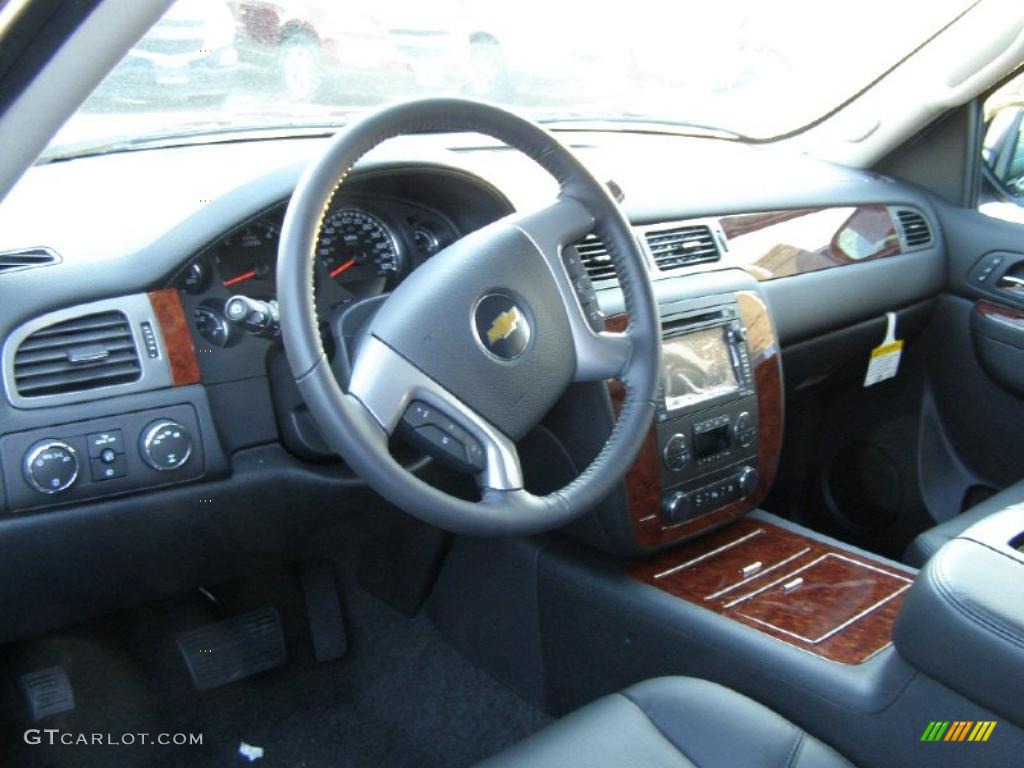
(643,480)
(995,311)
(181,354)
(843,610)
(776,244)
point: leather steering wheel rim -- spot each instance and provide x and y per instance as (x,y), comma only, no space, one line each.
(358,422)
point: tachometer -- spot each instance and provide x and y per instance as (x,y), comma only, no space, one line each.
(246,258)
(356,246)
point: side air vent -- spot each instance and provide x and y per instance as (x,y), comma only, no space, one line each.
(914,227)
(25,258)
(682,246)
(83,353)
(595,258)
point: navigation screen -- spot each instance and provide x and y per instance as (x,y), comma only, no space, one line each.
(696,367)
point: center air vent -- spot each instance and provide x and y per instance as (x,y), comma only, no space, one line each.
(596,259)
(83,353)
(682,246)
(914,226)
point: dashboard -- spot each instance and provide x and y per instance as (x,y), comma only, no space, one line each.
(394,213)
(208,427)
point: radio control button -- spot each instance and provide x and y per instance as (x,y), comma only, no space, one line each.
(677,452)
(743,430)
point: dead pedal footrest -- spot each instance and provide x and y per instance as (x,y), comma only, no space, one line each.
(48,692)
(233,649)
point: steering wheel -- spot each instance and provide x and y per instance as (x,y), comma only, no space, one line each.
(474,347)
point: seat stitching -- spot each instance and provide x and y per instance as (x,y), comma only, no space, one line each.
(798,746)
(978,616)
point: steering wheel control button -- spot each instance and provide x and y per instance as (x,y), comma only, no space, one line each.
(435,433)
(51,466)
(109,466)
(418,414)
(165,445)
(502,327)
(101,442)
(445,445)
(677,452)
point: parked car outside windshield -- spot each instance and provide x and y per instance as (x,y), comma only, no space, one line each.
(753,69)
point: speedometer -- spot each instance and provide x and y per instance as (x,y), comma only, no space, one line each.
(356,246)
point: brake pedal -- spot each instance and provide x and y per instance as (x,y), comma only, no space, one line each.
(48,692)
(233,649)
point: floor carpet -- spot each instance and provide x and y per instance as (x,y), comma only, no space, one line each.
(400,697)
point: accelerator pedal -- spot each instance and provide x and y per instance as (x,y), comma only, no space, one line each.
(48,692)
(233,649)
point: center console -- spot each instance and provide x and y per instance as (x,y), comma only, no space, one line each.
(713,450)
(706,420)
(968,605)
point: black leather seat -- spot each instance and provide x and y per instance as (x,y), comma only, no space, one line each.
(927,544)
(671,722)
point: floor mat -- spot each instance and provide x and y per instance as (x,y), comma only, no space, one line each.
(401,696)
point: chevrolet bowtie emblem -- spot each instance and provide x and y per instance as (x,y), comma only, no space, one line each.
(504,325)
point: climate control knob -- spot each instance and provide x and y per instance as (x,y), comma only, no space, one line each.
(747,479)
(677,508)
(51,466)
(165,445)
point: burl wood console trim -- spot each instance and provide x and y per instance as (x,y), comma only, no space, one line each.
(801,591)
(181,355)
(643,481)
(998,311)
(776,244)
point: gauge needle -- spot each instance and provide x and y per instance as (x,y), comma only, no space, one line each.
(347,265)
(241,278)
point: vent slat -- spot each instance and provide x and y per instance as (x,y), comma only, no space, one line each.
(916,232)
(87,323)
(73,340)
(682,246)
(33,357)
(596,259)
(76,355)
(26,372)
(62,384)
(27,258)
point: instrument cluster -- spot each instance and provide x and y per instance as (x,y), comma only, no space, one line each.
(366,247)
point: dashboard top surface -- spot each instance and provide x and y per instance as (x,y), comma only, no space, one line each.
(158,208)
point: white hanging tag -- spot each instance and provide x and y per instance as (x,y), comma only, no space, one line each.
(885,359)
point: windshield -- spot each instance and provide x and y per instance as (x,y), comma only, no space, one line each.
(751,68)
